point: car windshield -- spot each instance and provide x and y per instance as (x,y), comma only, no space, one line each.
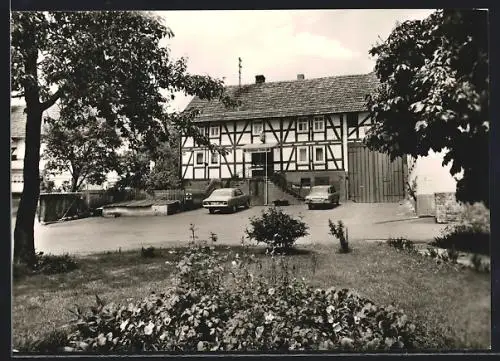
(317,190)
(222,192)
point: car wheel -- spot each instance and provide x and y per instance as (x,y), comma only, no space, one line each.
(211,210)
(234,209)
(247,204)
(310,206)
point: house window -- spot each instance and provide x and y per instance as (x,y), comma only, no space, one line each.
(257,128)
(303,156)
(352,119)
(214,158)
(199,158)
(319,154)
(202,129)
(13,153)
(214,131)
(319,123)
(302,125)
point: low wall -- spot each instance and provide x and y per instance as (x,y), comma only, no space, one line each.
(447,208)
(54,206)
(131,211)
(97,198)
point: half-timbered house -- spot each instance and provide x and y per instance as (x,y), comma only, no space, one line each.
(297,134)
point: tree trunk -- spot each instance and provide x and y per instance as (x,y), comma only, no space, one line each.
(24,242)
(74,183)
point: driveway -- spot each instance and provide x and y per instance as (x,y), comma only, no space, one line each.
(364,221)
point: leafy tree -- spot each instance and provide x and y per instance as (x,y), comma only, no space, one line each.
(433,95)
(108,61)
(134,169)
(86,150)
(165,173)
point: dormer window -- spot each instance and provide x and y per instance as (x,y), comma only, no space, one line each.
(319,123)
(302,125)
(257,127)
(214,131)
(352,120)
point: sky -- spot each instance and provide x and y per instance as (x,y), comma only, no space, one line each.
(279,44)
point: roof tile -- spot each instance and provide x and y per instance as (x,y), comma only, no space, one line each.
(337,94)
(18,119)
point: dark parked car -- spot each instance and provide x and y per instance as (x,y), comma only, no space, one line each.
(226,199)
(322,195)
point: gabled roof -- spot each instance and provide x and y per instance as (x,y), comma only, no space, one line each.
(18,119)
(336,94)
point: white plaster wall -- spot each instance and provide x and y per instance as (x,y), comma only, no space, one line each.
(432,176)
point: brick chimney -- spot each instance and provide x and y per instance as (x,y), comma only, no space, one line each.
(300,77)
(259,79)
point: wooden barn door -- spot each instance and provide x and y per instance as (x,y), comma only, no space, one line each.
(373,178)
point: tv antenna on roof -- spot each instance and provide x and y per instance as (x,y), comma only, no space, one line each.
(239,72)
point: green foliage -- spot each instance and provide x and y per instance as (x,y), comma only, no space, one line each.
(113,63)
(402,244)
(46,264)
(87,150)
(219,304)
(133,170)
(50,343)
(452,254)
(340,232)
(149,252)
(476,261)
(276,229)
(466,238)
(432,252)
(165,173)
(434,95)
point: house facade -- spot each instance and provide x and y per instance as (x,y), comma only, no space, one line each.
(18,137)
(296,133)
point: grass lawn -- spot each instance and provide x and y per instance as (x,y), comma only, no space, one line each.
(453,306)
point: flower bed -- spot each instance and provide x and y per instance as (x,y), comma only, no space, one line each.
(221,303)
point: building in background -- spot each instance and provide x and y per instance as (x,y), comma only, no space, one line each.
(18,138)
(307,131)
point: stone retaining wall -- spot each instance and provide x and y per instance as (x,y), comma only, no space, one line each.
(448,210)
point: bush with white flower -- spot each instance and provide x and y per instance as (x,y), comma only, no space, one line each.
(220,303)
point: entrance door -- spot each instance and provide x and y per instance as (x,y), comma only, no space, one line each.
(373,177)
(259,164)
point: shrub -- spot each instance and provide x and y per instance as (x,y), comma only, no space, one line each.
(340,232)
(218,304)
(402,244)
(46,264)
(452,254)
(432,252)
(466,238)
(53,342)
(149,252)
(276,229)
(476,261)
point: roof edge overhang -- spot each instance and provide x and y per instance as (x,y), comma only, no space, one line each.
(275,114)
(259,147)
